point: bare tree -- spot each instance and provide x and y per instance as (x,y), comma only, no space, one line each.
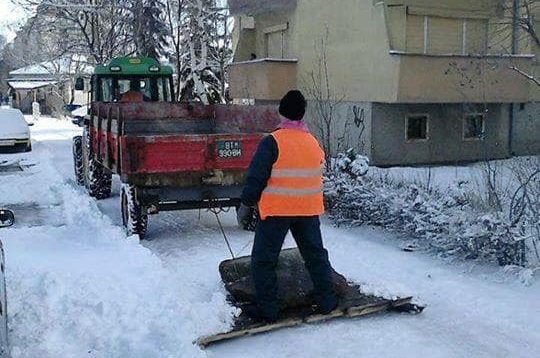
(175,12)
(326,101)
(96,28)
(522,17)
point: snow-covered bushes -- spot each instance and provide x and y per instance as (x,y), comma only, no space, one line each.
(449,222)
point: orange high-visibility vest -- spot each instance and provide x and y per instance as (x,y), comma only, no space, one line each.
(295,187)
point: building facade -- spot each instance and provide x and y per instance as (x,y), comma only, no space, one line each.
(403,81)
(51,84)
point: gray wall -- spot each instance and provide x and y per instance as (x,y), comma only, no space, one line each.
(351,126)
(445,144)
(526,132)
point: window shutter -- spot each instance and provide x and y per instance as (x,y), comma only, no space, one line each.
(415,33)
(274,42)
(445,36)
(477,32)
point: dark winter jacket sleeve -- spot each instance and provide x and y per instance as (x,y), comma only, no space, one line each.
(259,171)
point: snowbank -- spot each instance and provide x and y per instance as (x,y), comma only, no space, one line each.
(451,221)
(83,289)
(78,288)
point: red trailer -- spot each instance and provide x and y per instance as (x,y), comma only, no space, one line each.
(168,155)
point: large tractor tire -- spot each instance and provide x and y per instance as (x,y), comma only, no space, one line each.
(97,178)
(78,163)
(134,218)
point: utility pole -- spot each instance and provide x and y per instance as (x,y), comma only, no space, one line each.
(515,50)
(515,26)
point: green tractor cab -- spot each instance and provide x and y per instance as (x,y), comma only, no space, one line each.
(138,74)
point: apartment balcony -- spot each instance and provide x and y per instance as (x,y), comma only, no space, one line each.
(456,79)
(264,79)
(253,7)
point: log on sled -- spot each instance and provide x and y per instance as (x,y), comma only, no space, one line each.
(295,295)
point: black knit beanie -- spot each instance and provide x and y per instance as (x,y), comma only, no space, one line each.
(293,106)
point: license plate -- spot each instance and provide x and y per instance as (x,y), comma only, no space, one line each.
(7,143)
(229,149)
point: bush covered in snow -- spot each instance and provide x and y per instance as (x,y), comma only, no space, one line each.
(450,222)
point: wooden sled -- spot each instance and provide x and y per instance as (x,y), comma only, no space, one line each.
(295,296)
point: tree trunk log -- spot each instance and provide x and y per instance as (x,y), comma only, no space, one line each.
(295,288)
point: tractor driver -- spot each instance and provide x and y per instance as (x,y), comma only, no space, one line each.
(134,94)
(285,182)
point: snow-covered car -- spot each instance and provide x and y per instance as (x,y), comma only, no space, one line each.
(14,131)
(77,116)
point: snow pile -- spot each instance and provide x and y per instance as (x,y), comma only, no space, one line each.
(449,222)
(83,289)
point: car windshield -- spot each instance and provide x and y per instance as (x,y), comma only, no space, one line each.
(12,123)
(152,88)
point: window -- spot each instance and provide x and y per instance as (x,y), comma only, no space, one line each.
(415,34)
(476,34)
(107,90)
(474,126)
(276,41)
(125,85)
(163,90)
(446,35)
(153,89)
(417,127)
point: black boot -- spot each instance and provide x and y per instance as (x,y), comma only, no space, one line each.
(327,308)
(258,315)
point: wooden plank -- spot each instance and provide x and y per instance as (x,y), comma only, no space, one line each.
(205,341)
(351,312)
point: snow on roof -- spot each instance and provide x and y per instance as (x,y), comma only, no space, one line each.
(63,66)
(20,85)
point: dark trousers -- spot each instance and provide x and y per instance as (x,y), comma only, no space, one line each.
(269,237)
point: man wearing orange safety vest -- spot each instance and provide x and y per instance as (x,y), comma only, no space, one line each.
(285,182)
(134,94)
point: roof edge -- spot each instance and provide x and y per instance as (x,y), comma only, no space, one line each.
(254,7)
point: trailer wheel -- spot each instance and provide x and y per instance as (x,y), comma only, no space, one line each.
(254,220)
(78,163)
(99,180)
(133,217)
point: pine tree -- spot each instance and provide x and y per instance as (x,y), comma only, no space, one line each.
(205,51)
(148,26)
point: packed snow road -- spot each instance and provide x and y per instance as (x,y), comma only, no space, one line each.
(78,288)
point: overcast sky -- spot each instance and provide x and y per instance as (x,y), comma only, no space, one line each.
(10,17)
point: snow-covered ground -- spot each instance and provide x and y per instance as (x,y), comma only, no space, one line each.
(78,288)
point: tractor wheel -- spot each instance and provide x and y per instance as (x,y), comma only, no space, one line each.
(254,220)
(78,164)
(99,180)
(133,217)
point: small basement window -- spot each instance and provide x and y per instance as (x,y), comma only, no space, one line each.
(474,126)
(417,127)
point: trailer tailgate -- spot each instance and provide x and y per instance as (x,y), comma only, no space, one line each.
(177,154)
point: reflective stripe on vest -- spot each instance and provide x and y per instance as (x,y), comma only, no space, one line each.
(292,192)
(296,173)
(295,184)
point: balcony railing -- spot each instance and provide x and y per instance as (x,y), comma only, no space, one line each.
(264,79)
(455,79)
